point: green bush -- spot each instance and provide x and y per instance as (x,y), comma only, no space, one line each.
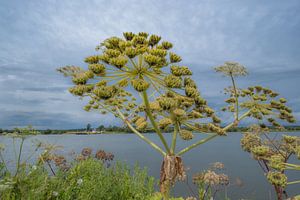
(88,179)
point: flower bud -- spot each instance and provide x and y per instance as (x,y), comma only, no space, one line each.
(180,71)
(80,79)
(143,34)
(158,52)
(179,112)
(167,103)
(112,53)
(191,92)
(92,59)
(277,179)
(164,123)
(172,81)
(167,45)
(119,62)
(174,58)
(97,68)
(260,151)
(151,59)
(130,52)
(105,92)
(128,35)
(154,40)
(189,82)
(140,85)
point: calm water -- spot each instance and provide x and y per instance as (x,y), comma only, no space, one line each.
(129,148)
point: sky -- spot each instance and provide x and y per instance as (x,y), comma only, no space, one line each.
(36,37)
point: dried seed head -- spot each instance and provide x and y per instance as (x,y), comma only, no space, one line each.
(232,69)
(211,178)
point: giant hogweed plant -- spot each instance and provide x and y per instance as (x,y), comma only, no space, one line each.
(141,65)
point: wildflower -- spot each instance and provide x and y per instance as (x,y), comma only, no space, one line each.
(80,181)
(59,160)
(55,194)
(34,167)
(86,152)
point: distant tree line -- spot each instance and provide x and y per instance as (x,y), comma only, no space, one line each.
(120,129)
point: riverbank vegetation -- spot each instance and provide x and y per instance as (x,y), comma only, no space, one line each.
(119,130)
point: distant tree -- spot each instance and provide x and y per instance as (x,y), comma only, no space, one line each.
(48,131)
(88,127)
(1,130)
(101,128)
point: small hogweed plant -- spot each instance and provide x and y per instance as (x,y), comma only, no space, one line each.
(272,155)
(211,181)
(139,79)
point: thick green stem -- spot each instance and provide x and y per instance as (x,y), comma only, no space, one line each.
(140,135)
(152,120)
(174,138)
(196,144)
(236,98)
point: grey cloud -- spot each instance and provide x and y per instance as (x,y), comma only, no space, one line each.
(38,36)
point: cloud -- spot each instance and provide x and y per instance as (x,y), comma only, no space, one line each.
(38,36)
